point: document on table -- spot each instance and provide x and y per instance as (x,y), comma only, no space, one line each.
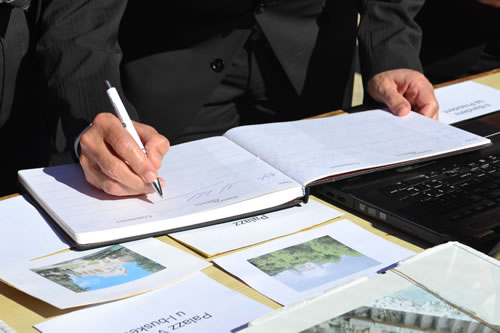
(466,100)
(229,236)
(72,279)
(293,268)
(196,304)
(25,233)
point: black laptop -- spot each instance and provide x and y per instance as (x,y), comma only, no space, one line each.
(452,198)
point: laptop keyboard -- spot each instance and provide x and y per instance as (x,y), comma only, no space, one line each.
(456,191)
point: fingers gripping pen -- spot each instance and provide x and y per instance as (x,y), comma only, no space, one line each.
(122,114)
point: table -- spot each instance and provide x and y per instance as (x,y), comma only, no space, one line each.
(21,311)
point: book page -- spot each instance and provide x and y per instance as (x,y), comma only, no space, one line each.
(205,180)
(312,149)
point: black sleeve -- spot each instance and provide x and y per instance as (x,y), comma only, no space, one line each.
(389,37)
(77,51)
(14,39)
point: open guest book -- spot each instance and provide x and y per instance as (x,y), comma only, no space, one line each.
(249,170)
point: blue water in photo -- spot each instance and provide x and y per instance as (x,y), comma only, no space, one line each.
(321,273)
(95,282)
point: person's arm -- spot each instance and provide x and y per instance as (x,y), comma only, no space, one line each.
(78,50)
(389,47)
(14,43)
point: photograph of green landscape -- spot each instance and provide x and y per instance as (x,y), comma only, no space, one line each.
(312,263)
(112,266)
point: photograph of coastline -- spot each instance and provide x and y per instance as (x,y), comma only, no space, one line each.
(313,263)
(109,267)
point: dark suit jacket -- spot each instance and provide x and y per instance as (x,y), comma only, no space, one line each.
(455,33)
(23,131)
(167,57)
(14,45)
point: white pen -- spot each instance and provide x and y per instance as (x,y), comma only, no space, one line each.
(121,113)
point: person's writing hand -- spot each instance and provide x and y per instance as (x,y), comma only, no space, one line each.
(113,162)
(403,90)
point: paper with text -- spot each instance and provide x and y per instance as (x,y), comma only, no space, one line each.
(466,100)
(233,235)
(293,268)
(72,279)
(196,304)
(335,145)
(25,234)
